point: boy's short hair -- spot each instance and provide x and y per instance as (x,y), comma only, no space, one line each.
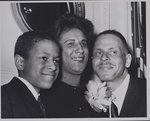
(27,40)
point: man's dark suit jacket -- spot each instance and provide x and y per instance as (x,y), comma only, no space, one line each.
(18,102)
(135,104)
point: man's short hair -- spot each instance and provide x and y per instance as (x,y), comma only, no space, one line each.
(119,35)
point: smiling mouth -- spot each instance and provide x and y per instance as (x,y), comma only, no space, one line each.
(106,67)
(78,58)
(51,75)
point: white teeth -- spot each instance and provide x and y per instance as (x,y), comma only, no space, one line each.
(78,59)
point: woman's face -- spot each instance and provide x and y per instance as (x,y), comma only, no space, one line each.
(75,51)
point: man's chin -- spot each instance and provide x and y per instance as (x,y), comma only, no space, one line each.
(105,77)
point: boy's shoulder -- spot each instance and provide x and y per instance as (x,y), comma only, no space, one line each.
(13,86)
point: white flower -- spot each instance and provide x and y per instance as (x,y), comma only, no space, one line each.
(98,95)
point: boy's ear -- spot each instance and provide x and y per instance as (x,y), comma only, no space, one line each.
(19,62)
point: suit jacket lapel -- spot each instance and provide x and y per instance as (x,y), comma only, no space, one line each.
(26,95)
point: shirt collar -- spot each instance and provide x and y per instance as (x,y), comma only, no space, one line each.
(120,93)
(30,87)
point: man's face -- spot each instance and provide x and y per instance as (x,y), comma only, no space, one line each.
(75,51)
(110,58)
(41,67)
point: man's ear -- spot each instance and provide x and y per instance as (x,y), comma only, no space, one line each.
(128,60)
(19,62)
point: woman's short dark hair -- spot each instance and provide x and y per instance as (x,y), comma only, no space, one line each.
(27,40)
(71,21)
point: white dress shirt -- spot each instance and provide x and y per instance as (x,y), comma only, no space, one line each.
(120,93)
(30,87)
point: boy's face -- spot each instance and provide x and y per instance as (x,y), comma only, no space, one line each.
(42,66)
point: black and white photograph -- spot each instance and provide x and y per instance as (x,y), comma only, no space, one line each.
(75,60)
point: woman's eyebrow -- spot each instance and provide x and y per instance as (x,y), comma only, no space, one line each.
(69,40)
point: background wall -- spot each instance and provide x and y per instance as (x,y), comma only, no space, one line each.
(9,31)
(103,14)
(110,15)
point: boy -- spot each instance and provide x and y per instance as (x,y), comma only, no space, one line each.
(37,60)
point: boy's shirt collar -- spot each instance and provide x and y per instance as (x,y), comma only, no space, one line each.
(30,87)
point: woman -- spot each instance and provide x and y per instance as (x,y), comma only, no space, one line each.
(67,99)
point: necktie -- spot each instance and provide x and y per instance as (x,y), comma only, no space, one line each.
(41,106)
(114,110)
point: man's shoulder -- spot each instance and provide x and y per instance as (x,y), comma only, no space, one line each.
(136,97)
(138,81)
(138,85)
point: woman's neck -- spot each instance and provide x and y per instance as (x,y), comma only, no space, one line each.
(71,79)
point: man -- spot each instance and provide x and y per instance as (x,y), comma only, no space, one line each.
(37,60)
(111,58)
(73,33)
